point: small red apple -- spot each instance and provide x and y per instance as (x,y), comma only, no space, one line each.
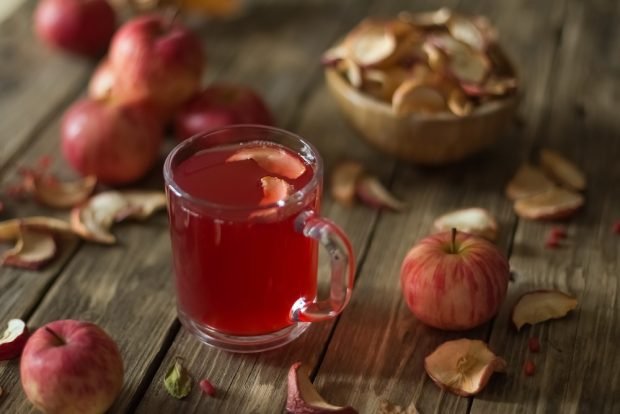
(156,61)
(118,143)
(221,105)
(79,26)
(454,281)
(71,366)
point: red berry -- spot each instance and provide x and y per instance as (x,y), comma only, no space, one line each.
(558,232)
(533,344)
(616,227)
(207,387)
(529,368)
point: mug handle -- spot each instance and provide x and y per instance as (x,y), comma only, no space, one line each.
(338,246)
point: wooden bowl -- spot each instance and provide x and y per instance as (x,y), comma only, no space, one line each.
(431,139)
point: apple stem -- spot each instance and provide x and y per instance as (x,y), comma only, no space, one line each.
(453,245)
(55,335)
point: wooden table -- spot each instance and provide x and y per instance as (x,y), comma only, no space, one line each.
(567,52)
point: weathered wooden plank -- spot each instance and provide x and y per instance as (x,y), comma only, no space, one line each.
(578,369)
(126,288)
(378,348)
(34,81)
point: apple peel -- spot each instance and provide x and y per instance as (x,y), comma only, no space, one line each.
(528,181)
(474,220)
(370,190)
(541,305)
(463,366)
(57,194)
(562,170)
(94,219)
(344,181)
(13,340)
(34,249)
(274,190)
(273,160)
(557,203)
(303,398)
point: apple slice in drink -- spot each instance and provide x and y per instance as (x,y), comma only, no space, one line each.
(271,159)
(274,190)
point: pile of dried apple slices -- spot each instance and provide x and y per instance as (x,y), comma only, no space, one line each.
(429,62)
(36,239)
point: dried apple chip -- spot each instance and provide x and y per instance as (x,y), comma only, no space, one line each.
(465,30)
(34,248)
(334,55)
(416,96)
(556,203)
(475,220)
(463,366)
(528,181)
(465,63)
(344,181)
(370,190)
(303,398)
(13,339)
(562,170)
(371,44)
(540,306)
(271,159)
(53,193)
(458,103)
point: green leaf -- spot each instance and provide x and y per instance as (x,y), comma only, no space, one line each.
(178,381)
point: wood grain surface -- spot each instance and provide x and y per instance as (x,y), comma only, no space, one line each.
(566,53)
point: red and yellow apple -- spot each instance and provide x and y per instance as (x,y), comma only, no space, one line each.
(221,105)
(454,280)
(157,62)
(71,366)
(118,143)
(79,26)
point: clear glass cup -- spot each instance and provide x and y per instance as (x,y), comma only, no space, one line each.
(246,277)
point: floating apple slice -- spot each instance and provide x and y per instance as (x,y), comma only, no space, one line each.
(344,181)
(463,366)
(57,194)
(528,181)
(562,170)
(13,339)
(34,249)
(541,305)
(556,203)
(477,221)
(303,398)
(273,160)
(415,96)
(371,44)
(274,190)
(370,190)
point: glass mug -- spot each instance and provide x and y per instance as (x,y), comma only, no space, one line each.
(246,270)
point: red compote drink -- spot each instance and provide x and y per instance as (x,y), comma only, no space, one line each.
(240,261)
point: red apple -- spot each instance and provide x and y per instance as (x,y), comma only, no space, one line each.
(221,105)
(79,26)
(118,143)
(454,281)
(71,366)
(156,61)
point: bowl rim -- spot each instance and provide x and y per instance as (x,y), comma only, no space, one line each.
(494,105)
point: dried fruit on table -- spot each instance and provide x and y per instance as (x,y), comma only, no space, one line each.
(475,220)
(528,181)
(34,248)
(370,190)
(343,181)
(540,306)
(303,398)
(13,340)
(58,194)
(556,203)
(562,170)
(207,387)
(463,366)
(386,407)
(94,219)
(177,381)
